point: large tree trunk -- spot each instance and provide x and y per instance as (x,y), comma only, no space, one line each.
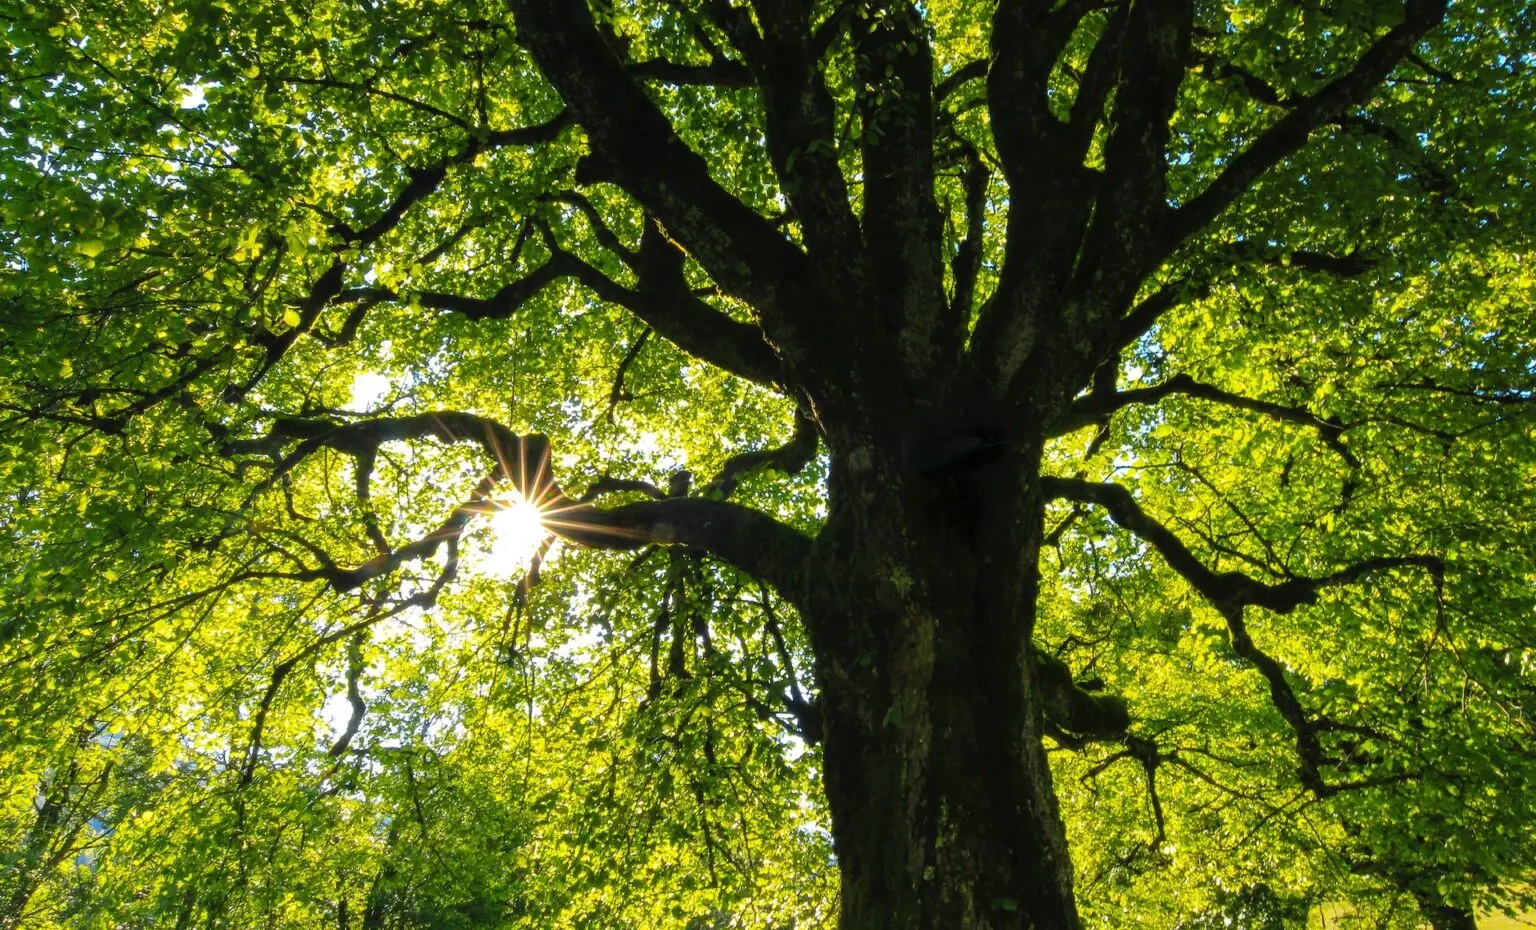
(921,611)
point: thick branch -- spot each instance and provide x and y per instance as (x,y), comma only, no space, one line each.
(633,145)
(665,303)
(1145,314)
(662,301)
(1132,193)
(802,143)
(970,71)
(752,541)
(748,539)
(789,458)
(1097,81)
(1308,113)
(1232,592)
(1027,38)
(519,459)
(902,226)
(608,484)
(1226,590)
(1050,191)
(1119,247)
(1074,715)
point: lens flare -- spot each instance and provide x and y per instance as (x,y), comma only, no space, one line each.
(517,530)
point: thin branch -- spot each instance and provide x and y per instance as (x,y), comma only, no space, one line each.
(966,264)
(619,393)
(422,182)
(718,73)
(1347,265)
(1094,407)
(789,459)
(354,695)
(807,714)
(1221,71)
(426,180)
(608,484)
(970,71)
(1512,396)
(600,228)
(370,90)
(1436,179)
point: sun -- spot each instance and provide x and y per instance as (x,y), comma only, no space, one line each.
(517,530)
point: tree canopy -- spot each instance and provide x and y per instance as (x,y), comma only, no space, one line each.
(1024,464)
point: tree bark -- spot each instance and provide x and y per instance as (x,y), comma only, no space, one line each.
(921,608)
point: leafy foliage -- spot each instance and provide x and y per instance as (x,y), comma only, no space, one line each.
(295,294)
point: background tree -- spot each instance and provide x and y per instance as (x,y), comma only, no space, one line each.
(1146,382)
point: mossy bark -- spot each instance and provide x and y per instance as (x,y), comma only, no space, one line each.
(921,608)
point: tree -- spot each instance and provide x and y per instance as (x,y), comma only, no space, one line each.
(1151,381)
